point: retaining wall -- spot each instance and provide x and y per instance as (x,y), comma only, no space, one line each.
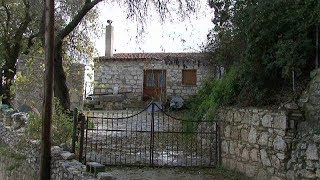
(255,141)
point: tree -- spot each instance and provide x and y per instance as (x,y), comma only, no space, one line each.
(16,35)
(70,19)
(270,41)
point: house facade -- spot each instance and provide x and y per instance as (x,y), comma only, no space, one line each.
(144,76)
(136,77)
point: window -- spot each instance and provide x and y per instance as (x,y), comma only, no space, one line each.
(189,77)
(149,79)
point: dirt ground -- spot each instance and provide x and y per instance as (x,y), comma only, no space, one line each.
(174,174)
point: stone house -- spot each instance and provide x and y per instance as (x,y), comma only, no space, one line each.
(133,77)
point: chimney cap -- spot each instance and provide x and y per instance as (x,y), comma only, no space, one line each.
(109,22)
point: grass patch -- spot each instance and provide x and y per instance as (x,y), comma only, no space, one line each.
(17,159)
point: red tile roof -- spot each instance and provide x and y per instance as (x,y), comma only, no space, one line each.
(155,56)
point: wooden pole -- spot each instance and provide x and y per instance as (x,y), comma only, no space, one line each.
(45,168)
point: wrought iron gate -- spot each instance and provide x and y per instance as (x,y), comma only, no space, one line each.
(150,137)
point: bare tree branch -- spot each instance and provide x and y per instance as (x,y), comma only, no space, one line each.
(77,19)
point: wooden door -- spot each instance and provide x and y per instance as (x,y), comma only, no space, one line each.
(154,84)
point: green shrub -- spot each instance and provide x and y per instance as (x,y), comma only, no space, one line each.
(61,126)
(209,98)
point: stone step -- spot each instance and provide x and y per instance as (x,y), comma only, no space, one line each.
(94,168)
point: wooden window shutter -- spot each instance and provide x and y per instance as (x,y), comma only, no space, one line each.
(189,77)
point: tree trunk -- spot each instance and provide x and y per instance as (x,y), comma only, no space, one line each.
(61,90)
(9,72)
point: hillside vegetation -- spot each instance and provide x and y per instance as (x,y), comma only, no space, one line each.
(268,49)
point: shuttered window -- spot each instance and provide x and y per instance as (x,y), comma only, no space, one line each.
(189,77)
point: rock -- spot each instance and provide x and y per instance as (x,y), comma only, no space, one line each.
(244,135)
(105,176)
(281,156)
(316,138)
(252,138)
(312,152)
(245,154)
(267,120)
(279,144)
(280,122)
(65,147)
(224,147)
(19,120)
(263,140)
(251,170)
(56,150)
(254,155)
(264,158)
(276,178)
(94,167)
(68,155)
(318,173)
(255,120)
(291,105)
(176,102)
(28,109)
(227,132)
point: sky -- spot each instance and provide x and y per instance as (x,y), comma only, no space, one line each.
(173,35)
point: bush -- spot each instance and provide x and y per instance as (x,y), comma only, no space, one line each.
(61,126)
(210,97)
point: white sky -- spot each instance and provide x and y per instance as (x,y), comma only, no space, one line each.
(172,36)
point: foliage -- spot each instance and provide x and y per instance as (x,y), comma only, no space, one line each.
(210,97)
(61,126)
(267,40)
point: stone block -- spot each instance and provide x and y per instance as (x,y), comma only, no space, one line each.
(227,131)
(312,152)
(281,156)
(275,162)
(279,144)
(244,135)
(240,167)
(280,122)
(251,170)
(318,173)
(95,168)
(276,178)
(68,155)
(254,155)
(263,140)
(264,158)
(225,147)
(245,154)
(267,120)
(252,138)
(232,147)
(235,134)
(230,116)
(255,120)
(105,176)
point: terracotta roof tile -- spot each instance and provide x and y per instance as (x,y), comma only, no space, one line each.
(156,56)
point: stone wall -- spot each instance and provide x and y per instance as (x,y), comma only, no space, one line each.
(29,87)
(304,162)
(128,76)
(64,165)
(255,141)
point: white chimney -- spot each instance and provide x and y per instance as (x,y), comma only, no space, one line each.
(109,40)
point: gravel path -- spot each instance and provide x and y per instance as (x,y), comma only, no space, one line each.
(174,174)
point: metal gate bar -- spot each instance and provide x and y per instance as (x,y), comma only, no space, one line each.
(150,137)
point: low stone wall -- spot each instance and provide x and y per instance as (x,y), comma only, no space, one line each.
(64,165)
(255,141)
